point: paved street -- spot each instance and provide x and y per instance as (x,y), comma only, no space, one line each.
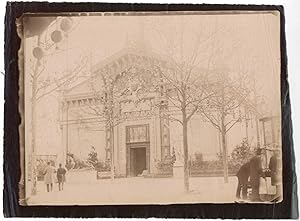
(138,190)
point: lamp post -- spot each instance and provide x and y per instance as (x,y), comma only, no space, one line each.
(38,54)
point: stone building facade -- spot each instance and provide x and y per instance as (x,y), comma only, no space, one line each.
(123,104)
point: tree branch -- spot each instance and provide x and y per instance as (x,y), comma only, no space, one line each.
(192,113)
(232,125)
(211,120)
(172,119)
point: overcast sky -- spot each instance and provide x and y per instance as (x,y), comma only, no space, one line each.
(240,42)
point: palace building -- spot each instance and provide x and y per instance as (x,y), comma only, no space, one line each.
(122,111)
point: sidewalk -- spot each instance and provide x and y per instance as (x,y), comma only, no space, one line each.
(138,190)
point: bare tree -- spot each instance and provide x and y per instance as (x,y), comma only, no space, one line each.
(187,86)
(106,95)
(42,86)
(223,110)
(186,91)
(108,89)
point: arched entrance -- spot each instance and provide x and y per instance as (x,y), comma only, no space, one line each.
(126,95)
(137,150)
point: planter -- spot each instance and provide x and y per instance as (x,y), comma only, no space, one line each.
(156,175)
(104,175)
(210,173)
(178,170)
(165,167)
(165,171)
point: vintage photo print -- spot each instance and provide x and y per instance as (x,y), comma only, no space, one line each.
(159,108)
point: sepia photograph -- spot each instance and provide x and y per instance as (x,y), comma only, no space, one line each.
(129,108)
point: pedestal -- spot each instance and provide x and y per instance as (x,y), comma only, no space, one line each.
(178,170)
(104,175)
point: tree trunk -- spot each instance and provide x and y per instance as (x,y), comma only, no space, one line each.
(186,153)
(112,152)
(111,117)
(33,130)
(33,125)
(225,159)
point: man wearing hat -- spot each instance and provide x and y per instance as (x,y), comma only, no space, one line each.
(275,169)
(255,174)
(243,176)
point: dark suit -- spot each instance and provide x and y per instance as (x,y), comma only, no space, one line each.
(255,174)
(61,177)
(243,176)
(274,166)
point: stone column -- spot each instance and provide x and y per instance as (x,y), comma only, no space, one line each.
(65,133)
(165,132)
(107,142)
(164,122)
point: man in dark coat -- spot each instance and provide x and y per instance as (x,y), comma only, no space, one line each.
(243,176)
(61,173)
(255,174)
(275,169)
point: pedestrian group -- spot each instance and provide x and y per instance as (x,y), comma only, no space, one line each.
(253,169)
(49,177)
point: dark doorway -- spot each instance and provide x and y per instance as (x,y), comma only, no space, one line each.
(137,149)
(138,161)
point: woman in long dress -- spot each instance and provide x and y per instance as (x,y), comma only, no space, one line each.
(49,177)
